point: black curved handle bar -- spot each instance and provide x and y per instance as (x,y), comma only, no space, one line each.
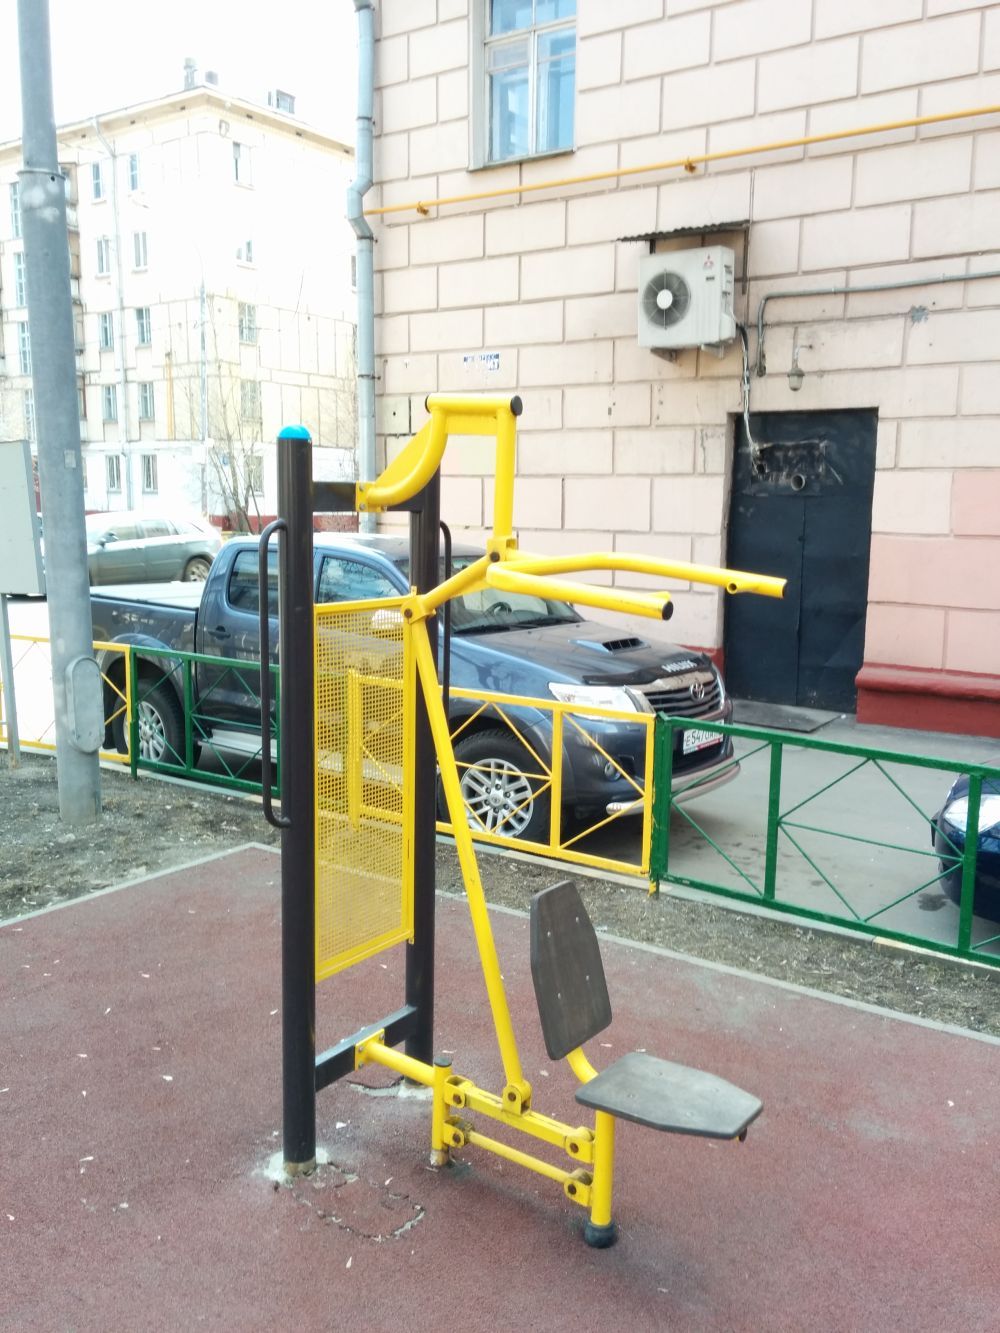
(278,821)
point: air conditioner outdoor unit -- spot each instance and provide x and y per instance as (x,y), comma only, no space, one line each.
(686,298)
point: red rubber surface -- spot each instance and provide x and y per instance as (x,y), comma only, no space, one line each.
(862,1200)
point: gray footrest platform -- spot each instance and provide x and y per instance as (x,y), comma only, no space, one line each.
(670,1097)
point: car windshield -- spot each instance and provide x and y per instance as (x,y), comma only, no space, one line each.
(490,611)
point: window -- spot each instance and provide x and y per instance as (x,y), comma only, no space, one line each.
(103,256)
(529,54)
(113,473)
(29,413)
(15,210)
(81,400)
(146,412)
(149,486)
(24,346)
(248,323)
(351,580)
(107,331)
(143,326)
(244,252)
(83,470)
(282,101)
(97,179)
(139,250)
(242,172)
(255,473)
(109,402)
(153,527)
(249,400)
(133,171)
(243,587)
(20,279)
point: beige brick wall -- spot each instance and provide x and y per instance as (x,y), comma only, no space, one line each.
(622,449)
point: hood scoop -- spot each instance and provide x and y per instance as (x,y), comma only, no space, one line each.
(612,645)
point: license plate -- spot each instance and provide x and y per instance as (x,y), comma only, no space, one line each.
(699,740)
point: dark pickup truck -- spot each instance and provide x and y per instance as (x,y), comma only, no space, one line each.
(501,642)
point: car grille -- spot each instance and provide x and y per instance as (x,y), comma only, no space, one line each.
(673,696)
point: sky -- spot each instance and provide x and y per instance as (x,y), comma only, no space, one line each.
(109,53)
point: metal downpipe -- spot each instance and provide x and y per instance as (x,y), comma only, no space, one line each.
(365,266)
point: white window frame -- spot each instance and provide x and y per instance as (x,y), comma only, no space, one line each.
(242,163)
(104,256)
(113,472)
(479,85)
(29,414)
(244,253)
(147,401)
(81,405)
(97,192)
(20,279)
(133,171)
(143,326)
(140,250)
(24,346)
(247,318)
(15,209)
(250,400)
(106,331)
(150,478)
(254,471)
(109,402)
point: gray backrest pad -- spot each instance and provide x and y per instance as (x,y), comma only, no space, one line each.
(566,968)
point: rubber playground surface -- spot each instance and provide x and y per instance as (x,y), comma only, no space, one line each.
(140,1180)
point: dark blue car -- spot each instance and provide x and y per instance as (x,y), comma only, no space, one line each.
(504,643)
(949,834)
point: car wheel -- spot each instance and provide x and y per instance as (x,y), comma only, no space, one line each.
(196,570)
(502,788)
(161,726)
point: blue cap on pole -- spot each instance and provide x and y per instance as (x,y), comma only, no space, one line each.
(293,433)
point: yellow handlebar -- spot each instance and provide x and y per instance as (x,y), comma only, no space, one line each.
(451,414)
(507,568)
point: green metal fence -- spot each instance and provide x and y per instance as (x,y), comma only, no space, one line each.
(175,728)
(828,832)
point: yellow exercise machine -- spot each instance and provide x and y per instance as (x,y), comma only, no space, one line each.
(371,662)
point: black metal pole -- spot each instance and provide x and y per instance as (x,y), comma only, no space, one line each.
(298,775)
(424,574)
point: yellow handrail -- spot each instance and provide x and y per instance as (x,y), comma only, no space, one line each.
(688,163)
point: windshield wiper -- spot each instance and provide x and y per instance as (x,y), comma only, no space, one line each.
(533,622)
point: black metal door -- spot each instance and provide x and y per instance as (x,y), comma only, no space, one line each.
(801,508)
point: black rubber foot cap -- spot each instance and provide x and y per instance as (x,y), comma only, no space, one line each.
(600,1238)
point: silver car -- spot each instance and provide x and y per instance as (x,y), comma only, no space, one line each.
(148,548)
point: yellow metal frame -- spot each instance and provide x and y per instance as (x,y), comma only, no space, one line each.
(123,694)
(354,759)
(587,1178)
(550,776)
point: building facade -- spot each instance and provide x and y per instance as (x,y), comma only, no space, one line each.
(213,301)
(847,437)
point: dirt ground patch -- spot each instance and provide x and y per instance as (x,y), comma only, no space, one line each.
(149,826)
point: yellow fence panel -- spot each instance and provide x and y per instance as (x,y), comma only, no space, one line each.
(364,808)
(544,774)
(33,693)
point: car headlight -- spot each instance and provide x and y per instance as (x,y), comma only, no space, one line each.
(721,684)
(957,813)
(596,696)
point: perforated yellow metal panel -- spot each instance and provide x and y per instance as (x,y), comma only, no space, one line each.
(364,786)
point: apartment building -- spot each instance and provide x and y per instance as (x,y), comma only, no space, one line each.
(840,428)
(213,300)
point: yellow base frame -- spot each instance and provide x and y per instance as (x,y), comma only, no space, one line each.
(588,1176)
